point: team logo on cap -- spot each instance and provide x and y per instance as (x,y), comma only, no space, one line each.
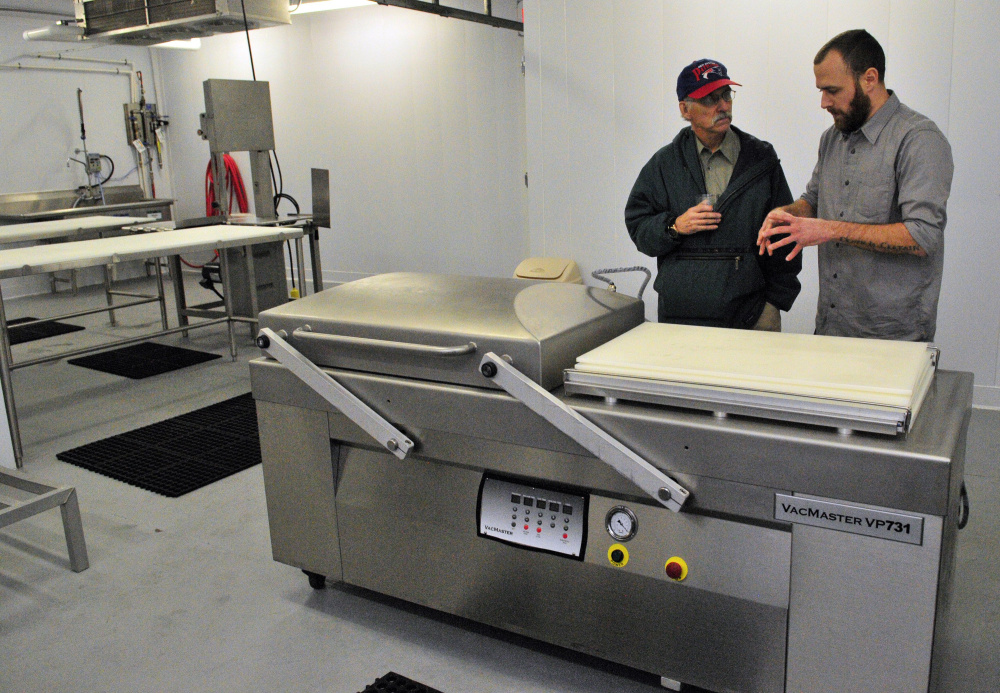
(703,71)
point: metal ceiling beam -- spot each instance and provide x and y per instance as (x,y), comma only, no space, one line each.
(435,7)
(46,13)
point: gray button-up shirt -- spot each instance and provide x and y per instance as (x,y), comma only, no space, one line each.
(896,168)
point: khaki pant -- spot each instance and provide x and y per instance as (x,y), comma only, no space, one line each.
(769,320)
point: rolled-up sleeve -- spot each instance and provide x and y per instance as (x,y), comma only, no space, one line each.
(925,170)
(811,195)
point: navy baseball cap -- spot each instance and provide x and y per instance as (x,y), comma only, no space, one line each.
(702,77)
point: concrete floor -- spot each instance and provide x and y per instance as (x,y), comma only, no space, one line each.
(182,594)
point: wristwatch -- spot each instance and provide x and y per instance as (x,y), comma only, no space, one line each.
(672,231)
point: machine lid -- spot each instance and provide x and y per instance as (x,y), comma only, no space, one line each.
(420,325)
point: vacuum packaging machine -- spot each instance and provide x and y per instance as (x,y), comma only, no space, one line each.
(533,456)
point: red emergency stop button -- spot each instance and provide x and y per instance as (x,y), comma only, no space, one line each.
(676,568)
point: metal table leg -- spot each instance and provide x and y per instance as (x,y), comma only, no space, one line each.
(252,281)
(76,544)
(301,261)
(108,277)
(180,300)
(228,300)
(317,269)
(107,294)
(6,359)
(159,292)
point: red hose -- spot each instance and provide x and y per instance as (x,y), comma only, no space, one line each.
(234,184)
(237,191)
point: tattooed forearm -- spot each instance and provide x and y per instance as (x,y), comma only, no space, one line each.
(884,247)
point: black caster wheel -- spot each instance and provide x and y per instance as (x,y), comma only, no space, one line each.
(316,581)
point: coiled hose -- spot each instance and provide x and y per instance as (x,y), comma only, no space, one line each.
(599,274)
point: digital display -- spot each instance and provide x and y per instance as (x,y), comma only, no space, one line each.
(553,506)
(528,501)
(515,498)
(568,509)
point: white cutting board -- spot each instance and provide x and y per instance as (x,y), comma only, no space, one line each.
(861,370)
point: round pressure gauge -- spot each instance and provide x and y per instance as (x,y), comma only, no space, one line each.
(621,523)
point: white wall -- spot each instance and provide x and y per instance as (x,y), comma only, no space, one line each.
(40,121)
(600,99)
(420,120)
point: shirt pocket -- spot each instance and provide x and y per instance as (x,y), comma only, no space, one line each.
(877,199)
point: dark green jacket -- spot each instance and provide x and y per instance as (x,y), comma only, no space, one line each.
(713,278)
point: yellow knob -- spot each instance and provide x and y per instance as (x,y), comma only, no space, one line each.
(618,555)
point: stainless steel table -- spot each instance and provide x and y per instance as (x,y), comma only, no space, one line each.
(66,228)
(79,228)
(20,262)
(160,205)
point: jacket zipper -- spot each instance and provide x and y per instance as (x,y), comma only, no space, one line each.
(746,179)
(711,256)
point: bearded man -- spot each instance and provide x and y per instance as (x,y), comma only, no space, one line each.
(696,207)
(876,203)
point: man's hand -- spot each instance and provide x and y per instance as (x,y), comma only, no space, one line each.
(770,221)
(698,218)
(802,231)
(796,223)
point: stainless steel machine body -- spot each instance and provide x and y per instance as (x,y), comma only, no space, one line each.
(803,560)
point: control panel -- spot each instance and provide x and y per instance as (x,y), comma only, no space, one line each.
(533,516)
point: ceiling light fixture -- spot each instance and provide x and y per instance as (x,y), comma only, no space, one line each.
(324,5)
(192,44)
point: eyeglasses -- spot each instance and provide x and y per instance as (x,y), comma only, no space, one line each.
(725,94)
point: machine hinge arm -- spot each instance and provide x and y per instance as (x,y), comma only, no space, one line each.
(609,450)
(390,437)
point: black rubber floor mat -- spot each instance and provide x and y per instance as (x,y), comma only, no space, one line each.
(179,455)
(23,330)
(394,683)
(143,360)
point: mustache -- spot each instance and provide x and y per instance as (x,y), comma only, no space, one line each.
(722,116)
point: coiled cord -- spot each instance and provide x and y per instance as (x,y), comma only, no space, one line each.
(599,274)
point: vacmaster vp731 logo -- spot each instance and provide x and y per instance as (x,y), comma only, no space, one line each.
(843,517)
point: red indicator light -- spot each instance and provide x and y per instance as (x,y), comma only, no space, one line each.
(539,530)
(565,535)
(526,527)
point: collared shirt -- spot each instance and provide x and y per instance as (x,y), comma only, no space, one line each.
(896,168)
(717,166)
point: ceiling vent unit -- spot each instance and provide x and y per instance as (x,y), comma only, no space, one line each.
(146,22)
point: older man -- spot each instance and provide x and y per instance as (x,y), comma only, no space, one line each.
(876,204)
(709,271)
